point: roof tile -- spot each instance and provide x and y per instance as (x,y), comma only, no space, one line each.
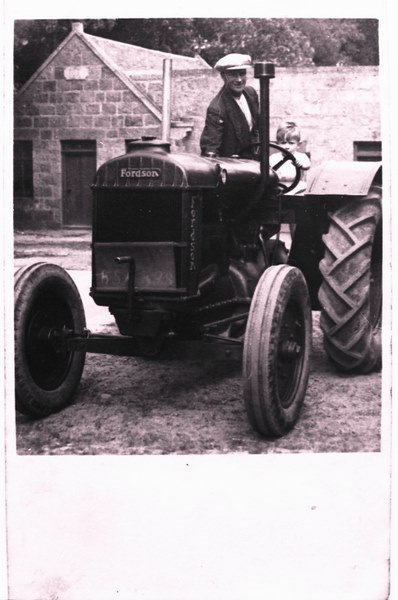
(135,59)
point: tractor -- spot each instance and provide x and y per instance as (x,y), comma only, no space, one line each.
(186,249)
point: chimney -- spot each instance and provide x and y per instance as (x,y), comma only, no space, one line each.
(76,26)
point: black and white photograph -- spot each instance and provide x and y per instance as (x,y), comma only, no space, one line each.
(198,307)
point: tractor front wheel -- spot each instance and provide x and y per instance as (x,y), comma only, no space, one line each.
(351,292)
(277,346)
(47,306)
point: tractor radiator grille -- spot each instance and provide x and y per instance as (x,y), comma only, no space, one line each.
(138,215)
(158,229)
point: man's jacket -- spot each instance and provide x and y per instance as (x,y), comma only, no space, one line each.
(226,131)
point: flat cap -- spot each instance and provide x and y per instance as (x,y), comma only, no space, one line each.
(233,62)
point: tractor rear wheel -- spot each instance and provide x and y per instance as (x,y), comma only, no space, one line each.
(277,346)
(351,292)
(47,303)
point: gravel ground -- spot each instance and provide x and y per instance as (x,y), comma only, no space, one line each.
(186,405)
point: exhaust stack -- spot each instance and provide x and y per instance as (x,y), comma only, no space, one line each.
(264,72)
(166,105)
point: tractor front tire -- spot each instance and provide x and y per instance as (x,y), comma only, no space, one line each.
(351,292)
(47,373)
(276,354)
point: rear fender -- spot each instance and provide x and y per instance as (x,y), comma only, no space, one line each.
(350,178)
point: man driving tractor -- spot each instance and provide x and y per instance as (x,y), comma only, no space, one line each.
(231,126)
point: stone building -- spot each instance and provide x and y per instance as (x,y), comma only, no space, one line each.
(93,95)
(78,110)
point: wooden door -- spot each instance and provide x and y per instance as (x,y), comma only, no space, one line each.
(78,171)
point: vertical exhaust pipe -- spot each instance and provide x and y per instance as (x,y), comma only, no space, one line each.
(166,105)
(264,72)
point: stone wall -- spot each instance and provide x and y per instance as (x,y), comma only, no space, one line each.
(333,106)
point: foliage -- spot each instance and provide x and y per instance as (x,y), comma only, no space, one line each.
(341,41)
(167,35)
(274,40)
(286,42)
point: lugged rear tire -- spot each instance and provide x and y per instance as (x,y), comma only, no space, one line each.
(46,373)
(351,291)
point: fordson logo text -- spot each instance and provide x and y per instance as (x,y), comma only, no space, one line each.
(140,173)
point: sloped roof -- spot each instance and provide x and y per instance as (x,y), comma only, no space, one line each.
(135,59)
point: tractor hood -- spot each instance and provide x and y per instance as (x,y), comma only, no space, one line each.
(150,164)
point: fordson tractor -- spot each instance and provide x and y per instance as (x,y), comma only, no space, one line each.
(186,249)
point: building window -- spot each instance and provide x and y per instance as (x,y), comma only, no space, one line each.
(367,151)
(23,168)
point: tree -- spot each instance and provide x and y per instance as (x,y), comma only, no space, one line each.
(286,42)
(341,41)
(167,35)
(274,40)
(366,49)
(291,42)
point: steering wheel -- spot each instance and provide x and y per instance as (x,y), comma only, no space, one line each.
(286,156)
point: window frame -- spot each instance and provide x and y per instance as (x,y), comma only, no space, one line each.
(367,151)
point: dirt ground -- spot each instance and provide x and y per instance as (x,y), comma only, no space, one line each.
(185,405)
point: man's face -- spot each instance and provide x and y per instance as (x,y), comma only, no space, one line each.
(235,81)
